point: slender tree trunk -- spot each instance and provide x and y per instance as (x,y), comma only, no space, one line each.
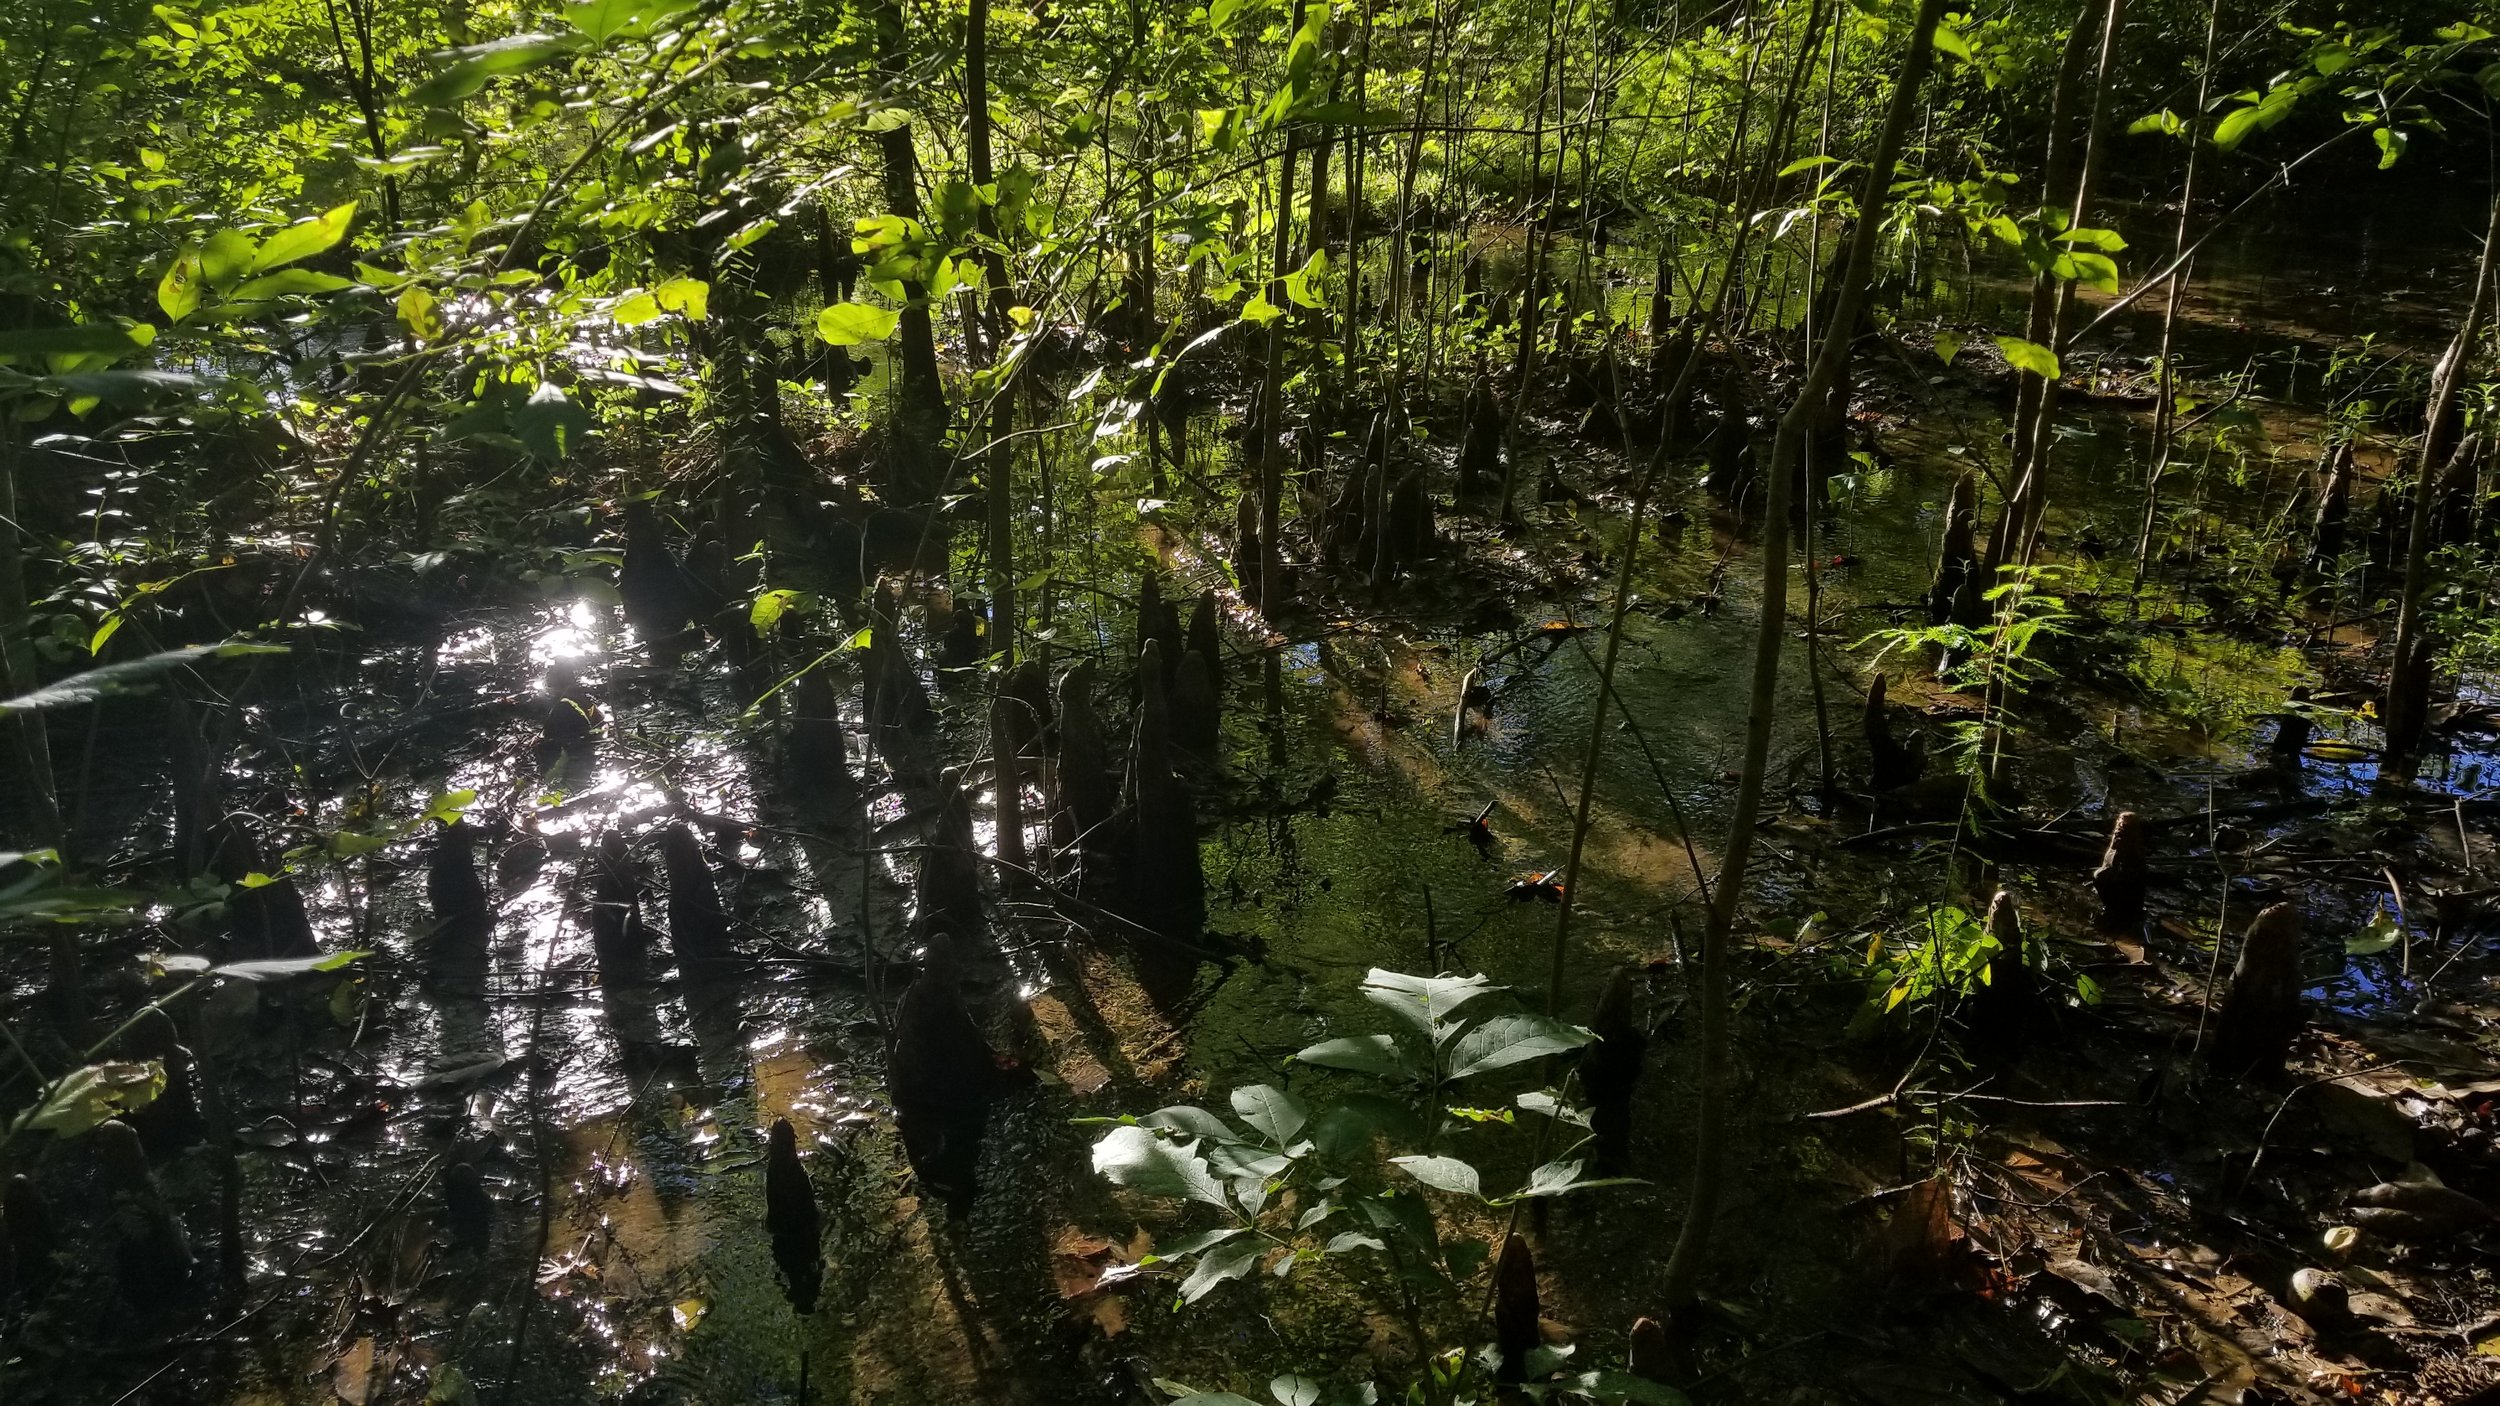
(2408,680)
(2040,323)
(1271,486)
(17,665)
(923,398)
(2165,409)
(1787,453)
(998,457)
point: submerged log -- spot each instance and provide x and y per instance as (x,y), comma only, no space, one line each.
(818,750)
(464,921)
(2261,1012)
(2006,1004)
(468,1209)
(1083,795)
(151,1253)
(2121,879)
(791,1220)
(943,1077)
(1957,588)
(1611,1068)
(1515,1309)
(698,928)
(1164,887)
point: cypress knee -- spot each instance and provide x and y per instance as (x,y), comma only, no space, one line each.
(790,1219)
(151,1252)
(1165,886)
(1084,797)
(269,921)
(1206,638)
(170,1122)
(947,893)
(456,949)
(1160,621)
(1196,724)
(468,1208)
(1890,765)
(698,928)
(1649,1357)
(657,593)
(1957,564)
(2326,528)
(2121,879)
(943,1078)
(1028,687)
(1515,1309)
(819,752)
(33,1238)
(2261,1012)
(1611,1068)
(2291,728)
(2007,1002)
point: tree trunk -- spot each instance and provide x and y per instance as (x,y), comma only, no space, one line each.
(1788,451)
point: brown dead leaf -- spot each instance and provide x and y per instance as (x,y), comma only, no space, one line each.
(352,1376)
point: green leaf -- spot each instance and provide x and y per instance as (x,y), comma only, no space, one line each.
(1231,1260)
(304,239)
(1193,1121)
(178,292)
(2108,241)
(125,677)
(849,324)
(771,606)
(1292,1389)
(279,969)
(468,69)
(550,425)
(1259,310)
(690,298)
(2377,935)
(1559,1178)
(226,256)
(1345,1132)
(290,283)
(635,309)
(1425,1002)
(2029,356)
(76,339)
(1952,41)
(2391,144)
(1506,1040)
(448,806)
(1948,346)
(1278,1116)
(1611,1386)
(1441,1173)
(418,312)
(1136,1158)
(84,1098)
(602,20)
(2165,122)
(1191,1244)
(1364,1054)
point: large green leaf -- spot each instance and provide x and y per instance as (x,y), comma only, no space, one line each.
(849,324)
(290,282)
(2029,356)
(1425,1002)
(602,20)
(1277,1115)
(76,339)
(1364,1054)
(1512,1039)
(1441,1173)
(121,678)
(302,240)
(1613,1387)
(1134,1157)
(83,1098)
(550,424)
(1231,1260)
(178,292)
(468,69)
